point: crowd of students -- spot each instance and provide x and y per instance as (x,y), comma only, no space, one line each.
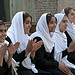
(48,51)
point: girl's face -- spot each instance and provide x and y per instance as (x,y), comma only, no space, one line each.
(2,33)
(27,25)
(52,24)
(63,24)
(71,15)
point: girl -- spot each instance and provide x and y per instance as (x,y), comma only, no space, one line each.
(70,32)
(44,57)
(18,32)
(6,53)
(61,51)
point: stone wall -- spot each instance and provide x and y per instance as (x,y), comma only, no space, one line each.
(43,6)
(53,6)
(65,3)
(37,7)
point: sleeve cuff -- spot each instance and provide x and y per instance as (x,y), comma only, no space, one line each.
(64,53)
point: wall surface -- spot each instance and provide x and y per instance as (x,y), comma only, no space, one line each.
(65,3)
(36,7)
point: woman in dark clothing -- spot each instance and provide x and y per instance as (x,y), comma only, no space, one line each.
(6,53)
(20,57)
(61,51)
(44,57)
(70,32)
(71,56)
(18,32)
(4,70)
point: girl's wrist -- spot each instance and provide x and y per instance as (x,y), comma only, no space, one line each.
(26,52)
(1,61)
(10,55)
(68,50)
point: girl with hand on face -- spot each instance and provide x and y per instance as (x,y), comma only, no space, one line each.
(6,53)
(70,32)
(18,32)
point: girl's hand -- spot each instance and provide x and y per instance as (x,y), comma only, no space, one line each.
(71,47)
(3,50)
(13,48)
(65,68)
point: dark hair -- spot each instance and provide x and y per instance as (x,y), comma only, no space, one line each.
(48,17)
(1,22)
(25,16)
(67,10)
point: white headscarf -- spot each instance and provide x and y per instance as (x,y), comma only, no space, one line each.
(42,31)
(16,34)
(70,28)
(59,38)
(60,43)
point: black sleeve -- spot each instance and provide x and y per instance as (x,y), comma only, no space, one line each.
(19,57)
(1,70)
(64,53)
(69,40)
(40,58)
(71,57)
(4,69)
(8,71)
(8,39)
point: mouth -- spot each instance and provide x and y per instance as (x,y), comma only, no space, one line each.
(3,38)
(65,27)
(28,29)
(53,28)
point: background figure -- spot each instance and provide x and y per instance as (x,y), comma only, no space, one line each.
(70,32)
(18,32)
(61,51)
(6,53)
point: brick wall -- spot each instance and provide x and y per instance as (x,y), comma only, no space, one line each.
(65,3)
(37,7)
(42,6)
(53,6)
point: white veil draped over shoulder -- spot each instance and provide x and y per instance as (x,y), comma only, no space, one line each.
(60,43)
(16,34)
(42,31)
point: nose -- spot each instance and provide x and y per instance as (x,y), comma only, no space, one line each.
(66,24)
(55,25)
(30,25)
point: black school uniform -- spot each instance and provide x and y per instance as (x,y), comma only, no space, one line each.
(22,70)
(71,56)
(45,61)
(19,58)
(4,70)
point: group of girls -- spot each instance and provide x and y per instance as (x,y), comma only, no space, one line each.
(48,51)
